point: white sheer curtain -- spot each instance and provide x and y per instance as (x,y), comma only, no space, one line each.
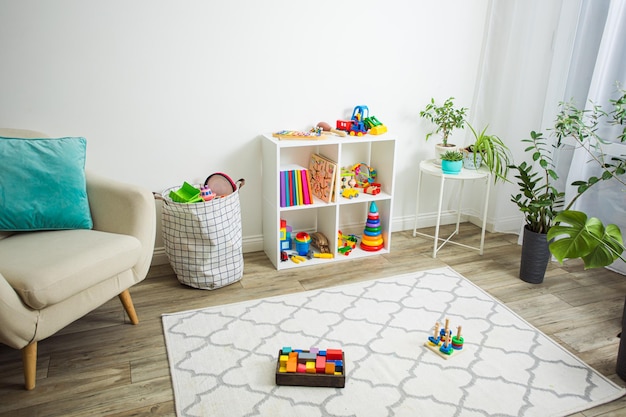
(598,64)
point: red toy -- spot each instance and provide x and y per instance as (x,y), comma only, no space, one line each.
(373,188)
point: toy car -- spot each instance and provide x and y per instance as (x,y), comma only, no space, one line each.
(350,193)
(373,188)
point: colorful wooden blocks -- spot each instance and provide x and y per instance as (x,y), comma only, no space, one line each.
(312,368)
(443,343)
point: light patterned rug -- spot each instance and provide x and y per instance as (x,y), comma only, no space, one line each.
(223,359)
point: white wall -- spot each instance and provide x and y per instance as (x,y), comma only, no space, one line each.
(168,91)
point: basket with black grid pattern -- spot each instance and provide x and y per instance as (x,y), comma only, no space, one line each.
(203,241)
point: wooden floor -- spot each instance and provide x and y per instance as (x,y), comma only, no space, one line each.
(103,366)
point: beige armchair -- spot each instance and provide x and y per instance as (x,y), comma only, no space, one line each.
(48,279)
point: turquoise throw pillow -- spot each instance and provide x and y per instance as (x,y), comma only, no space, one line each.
(42,184)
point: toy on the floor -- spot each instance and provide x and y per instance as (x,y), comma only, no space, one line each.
(443,343)
(372,239)
(311,368)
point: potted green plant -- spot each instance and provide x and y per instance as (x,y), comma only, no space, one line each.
(446,118)
(558,230)
(488,150)
(539,201)
(451,162)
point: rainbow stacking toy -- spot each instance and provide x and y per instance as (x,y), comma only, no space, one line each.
(372,239)
(311,368)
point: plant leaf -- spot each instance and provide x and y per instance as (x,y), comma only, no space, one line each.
(576,236)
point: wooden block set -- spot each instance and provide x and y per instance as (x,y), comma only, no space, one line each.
(443,343)
(312,368)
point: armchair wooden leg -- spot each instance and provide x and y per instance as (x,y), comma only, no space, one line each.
(29,360)
(127,302)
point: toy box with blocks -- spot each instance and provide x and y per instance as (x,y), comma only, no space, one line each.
(311,368)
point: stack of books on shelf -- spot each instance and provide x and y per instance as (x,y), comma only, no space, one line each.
(295,187)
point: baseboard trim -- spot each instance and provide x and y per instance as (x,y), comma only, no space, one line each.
(510,225)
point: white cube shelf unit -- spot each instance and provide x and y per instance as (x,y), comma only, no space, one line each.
(346,215)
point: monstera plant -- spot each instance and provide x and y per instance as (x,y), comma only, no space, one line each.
(575,235)
(567,233)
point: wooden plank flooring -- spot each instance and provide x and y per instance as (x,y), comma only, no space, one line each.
(103,366)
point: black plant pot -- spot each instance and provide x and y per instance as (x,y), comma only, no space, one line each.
(620,368)
(535,257)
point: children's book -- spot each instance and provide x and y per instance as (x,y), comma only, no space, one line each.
(294,186)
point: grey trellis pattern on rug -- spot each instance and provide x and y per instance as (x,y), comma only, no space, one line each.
(223,358)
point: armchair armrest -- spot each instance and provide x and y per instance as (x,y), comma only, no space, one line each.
(122,208)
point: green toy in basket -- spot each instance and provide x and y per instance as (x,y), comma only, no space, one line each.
(186,194)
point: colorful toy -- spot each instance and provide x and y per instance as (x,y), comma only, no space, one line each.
(355,126)
(348,183)
(359,114)
(372,239)
(361,123)
(206,193)
(327,128)
(373,188)
(302,243)
(312,368)
(299,135)
(345,250)
(350,193)
(375,127)
(348,178)
(296,259)
(443,343)
(346,243)
(363,174)
(186,194)
(285,235)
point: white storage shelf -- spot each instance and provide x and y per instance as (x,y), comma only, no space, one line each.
(345,215)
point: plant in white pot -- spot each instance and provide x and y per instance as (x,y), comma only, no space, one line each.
(490,151)
(446,118)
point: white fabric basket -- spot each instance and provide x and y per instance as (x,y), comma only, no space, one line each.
(203,241)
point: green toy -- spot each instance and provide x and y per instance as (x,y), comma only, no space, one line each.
(186,194)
